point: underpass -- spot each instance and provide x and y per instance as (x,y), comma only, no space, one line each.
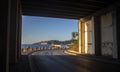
(101,14)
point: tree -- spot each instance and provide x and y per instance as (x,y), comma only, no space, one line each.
(74,35)
(74,40)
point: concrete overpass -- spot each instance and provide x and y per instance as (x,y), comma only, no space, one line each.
(99,18)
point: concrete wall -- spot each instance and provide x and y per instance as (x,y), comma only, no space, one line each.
(86,36)
(90,44)
(106,34)
(90,32)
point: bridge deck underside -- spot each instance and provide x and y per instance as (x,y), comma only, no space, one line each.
(73,9)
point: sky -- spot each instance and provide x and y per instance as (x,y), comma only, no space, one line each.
(36,29)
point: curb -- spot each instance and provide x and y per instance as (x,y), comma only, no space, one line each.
(97,58)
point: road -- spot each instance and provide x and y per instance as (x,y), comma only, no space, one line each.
(58,61)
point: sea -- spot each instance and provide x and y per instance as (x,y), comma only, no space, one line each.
(38,45)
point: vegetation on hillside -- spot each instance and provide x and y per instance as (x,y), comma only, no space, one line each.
(74,45)
(55,42)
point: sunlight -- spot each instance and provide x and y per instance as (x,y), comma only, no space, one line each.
(79,34)
(86,38)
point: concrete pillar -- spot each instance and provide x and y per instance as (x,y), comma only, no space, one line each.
(83,37)
(13,31)
(19,29)
(5,24)
(116,29)
(97,35)
(118,32)
(93,34)
(79,35)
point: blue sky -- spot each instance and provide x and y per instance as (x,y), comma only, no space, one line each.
(36,29)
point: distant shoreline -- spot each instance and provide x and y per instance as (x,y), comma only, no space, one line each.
(38,45)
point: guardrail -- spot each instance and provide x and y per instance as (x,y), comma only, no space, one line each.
(27,50)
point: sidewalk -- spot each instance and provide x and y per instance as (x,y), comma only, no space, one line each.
(106,59)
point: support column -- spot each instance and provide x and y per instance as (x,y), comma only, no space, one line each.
(79,35)
(118,32)
(83,37)
(19,31)
(13,31)
(116,29)
(4,50)
(97,35)
(93,34)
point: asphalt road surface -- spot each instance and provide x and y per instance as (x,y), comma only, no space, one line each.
(58,61)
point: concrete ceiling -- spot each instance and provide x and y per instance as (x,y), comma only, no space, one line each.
(73,9)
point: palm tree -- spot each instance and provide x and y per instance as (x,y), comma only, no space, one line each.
(74,40)
(74,35)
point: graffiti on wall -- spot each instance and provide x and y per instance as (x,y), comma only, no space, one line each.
(107,48)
